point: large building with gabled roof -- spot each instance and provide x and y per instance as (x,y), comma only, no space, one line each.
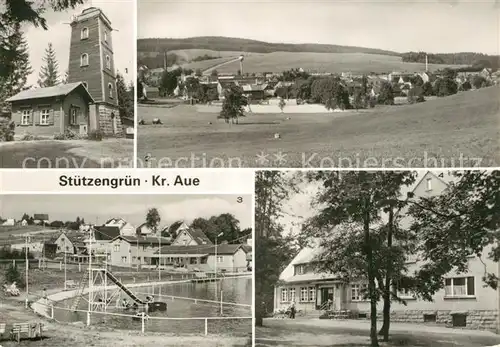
(463,302)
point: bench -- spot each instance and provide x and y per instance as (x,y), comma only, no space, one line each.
(28,330)
(70,284)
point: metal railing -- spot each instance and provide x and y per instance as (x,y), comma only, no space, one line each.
(145,319)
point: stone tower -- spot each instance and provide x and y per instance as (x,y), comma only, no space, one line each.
(91,62)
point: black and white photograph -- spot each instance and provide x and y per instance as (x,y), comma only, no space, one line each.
(126,270)
(377,258)
(67,84)
(322,84)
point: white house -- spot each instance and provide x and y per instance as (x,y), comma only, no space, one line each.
(9,222)
(464,301)
(125,227)
(187,236)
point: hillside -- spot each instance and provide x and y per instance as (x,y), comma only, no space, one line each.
(316,62)
(217,43)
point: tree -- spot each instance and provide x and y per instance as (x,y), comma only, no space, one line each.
(65,78)
(172,229)
(214,73)
(153,219)
(358,100)
(198,73)
(427,89)
(386,95)
(415,95)
(140,89)
(14,63)
(232,107)
(225,223)
(445,86)
(350,208)
(125,99)
(49,74)
(477,81)
(169,80)
(12,275)
(273,252)
(282,104)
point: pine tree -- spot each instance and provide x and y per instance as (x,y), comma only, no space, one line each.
(125,98)
(49,75)
(14,63)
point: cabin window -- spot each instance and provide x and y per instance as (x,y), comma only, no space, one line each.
(25,117)
(124,259)
(304,294)
(84,34)
(459,287)
(73,118)
(105,36)
(108,62)
(284,295)
(84,59)
(44,116)
(292,294)
(358,291)
(220,258)
(116,248)
(110,90)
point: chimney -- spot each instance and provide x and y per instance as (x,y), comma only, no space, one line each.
(426,63)
(165,60)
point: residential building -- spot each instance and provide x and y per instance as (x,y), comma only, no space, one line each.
(62,244)
(463,302)
(53,110)
(144,230)
(100,238)
(254,92)
(229,258)
(41,218)
(187,236)
(125,227)
(133,250)
(9,222)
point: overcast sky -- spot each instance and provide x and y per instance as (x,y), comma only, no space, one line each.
(412,25)
(132,208)
(119,12)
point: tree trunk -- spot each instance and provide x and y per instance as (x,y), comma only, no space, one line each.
(388,281)
(371,277)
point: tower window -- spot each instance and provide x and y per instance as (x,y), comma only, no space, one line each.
(84,59)
(105,36)
(108,62)
(84,34)
(110,90)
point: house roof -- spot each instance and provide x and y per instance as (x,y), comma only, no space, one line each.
(197,235)
(144,240)
(254,87)
(48,92)
(41,216)
(105,233)
(204,249)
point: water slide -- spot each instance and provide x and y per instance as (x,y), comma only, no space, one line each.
(124,288)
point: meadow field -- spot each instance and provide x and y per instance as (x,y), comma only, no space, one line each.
(319,62)
(460,130)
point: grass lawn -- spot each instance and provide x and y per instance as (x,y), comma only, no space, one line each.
(315,333)
(108,153)
(320,62)
(462,130)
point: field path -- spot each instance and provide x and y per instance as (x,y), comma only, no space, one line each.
(210,69)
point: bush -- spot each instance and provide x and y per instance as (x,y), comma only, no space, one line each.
(29,137)
(7,131)
(12,274)
(95,135)
(69,135)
